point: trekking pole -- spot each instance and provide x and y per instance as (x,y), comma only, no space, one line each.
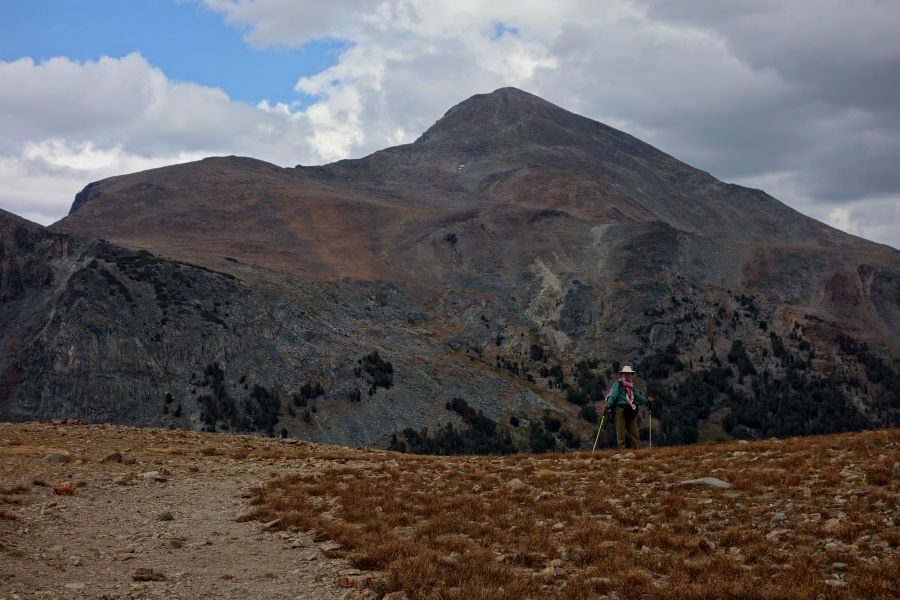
(651,428)
(599,429)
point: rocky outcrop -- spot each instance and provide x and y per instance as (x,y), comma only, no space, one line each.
(122,336)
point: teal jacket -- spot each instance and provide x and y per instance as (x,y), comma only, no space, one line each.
(617,396)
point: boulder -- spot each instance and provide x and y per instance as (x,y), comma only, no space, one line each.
(56,459)
(707,482)
(69,488)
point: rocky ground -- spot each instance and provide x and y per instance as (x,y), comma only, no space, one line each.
(162,523)
(114,512)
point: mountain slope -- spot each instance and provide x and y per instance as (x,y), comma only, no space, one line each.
(514,256)
(499,149)
(514,148)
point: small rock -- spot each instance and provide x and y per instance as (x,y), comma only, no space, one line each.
(706,545)
(396,596)
(149,576)
(707,482)
(69,488)
(514,484)
(165,516)
(832,524)
(330,547)
(839,566)
(124,556)
(114,457)
(356,581)
(124,479)
(779,518)
(74,586)
(271,524)
(56,458)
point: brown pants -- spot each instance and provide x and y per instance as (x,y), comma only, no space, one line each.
(631,425)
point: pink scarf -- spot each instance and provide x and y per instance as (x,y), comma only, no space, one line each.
(629,391)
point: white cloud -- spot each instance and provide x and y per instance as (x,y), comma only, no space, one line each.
(64,124)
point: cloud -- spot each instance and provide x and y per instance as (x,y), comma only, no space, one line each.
(65,123)
(800,97)
(842,119)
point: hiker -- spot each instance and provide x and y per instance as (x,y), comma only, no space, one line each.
(621,402)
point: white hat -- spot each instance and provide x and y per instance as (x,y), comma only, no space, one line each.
(626,369)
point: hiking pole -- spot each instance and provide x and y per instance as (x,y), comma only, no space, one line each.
(598,432)
(651,427)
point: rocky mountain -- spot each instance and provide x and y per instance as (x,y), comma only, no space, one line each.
(511,258)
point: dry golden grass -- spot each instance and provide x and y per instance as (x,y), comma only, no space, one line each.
(578,526)
(559,526)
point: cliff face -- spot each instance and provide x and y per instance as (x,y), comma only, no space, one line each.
(100,333)
(511,256)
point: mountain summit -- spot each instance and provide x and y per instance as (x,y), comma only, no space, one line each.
(511,147)
(505,264)
(504,149)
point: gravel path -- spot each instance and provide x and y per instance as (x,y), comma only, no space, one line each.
(169,532)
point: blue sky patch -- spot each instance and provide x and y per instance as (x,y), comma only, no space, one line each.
(187,41)
(498,29)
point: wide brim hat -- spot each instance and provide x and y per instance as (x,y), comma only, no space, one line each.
(627,369)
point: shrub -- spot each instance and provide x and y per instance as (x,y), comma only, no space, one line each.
(380,371)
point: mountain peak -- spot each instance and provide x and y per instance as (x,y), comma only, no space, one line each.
(509,112)
(518,238)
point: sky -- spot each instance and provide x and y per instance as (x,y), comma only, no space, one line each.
(800,98)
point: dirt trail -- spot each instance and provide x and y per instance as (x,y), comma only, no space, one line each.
(112,539)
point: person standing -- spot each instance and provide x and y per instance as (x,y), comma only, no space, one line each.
(622,403)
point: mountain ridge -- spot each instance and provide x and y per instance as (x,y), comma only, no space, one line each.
(513,257)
